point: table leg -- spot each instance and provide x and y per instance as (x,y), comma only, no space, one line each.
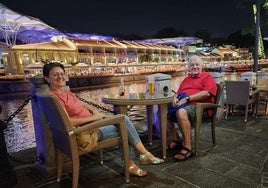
(149,115)
(163,116)
(119,109)
(256,105)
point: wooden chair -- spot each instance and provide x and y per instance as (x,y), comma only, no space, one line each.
(64,135)
(237,93)
(200,107)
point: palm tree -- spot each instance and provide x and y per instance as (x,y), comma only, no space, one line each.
(257,4)
(256,36)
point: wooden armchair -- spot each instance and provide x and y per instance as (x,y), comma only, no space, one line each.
(64,136)
(200,107)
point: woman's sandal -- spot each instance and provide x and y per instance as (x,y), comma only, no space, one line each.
(177,145)
(145,160)
(134,170)
(185,156)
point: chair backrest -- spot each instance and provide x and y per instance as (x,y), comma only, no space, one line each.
(218,101)
(219,93)
(237,92)
(59,123)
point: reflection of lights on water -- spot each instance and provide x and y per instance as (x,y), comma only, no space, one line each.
(19,134)
(20,131)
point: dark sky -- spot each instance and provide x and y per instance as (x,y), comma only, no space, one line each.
(142,17)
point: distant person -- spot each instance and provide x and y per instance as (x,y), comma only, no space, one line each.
(198,86)
(81,113)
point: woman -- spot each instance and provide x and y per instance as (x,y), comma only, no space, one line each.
(80,113)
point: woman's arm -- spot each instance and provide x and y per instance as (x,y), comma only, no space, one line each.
(81,121)
(88,107)
(95,116)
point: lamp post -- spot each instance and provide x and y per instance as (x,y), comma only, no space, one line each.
(256,36)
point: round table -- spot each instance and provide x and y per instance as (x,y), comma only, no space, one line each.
(120,104)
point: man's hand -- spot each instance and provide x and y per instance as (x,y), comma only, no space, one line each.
(182,101)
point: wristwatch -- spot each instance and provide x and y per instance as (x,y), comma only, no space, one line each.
(187,99)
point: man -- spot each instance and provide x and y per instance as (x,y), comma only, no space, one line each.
(198,86)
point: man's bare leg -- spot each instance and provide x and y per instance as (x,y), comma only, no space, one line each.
(185,127)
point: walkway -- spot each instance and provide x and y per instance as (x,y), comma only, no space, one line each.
(238,160)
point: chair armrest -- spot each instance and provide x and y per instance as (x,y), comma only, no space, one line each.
(207,105)
(257,91)
(201,106)
(113,120)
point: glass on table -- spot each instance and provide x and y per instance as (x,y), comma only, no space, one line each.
(151,85)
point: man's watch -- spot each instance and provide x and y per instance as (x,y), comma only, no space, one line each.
(187,99)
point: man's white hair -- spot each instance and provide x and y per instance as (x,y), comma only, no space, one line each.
(195,58)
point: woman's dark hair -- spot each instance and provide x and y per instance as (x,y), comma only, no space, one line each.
(48,66)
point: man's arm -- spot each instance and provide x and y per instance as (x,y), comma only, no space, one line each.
(199,96)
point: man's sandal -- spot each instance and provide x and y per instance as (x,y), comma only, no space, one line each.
(184,156)
(134,170)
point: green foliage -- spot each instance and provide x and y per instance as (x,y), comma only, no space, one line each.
(247,30)
(169,32)
(203,34)
(145,58)
(156,60)
(265,4)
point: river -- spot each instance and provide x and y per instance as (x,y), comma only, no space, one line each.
(19,133)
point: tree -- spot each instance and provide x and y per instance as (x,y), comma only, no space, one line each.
(203,34)
(241,40)
(257,24)
(169,32)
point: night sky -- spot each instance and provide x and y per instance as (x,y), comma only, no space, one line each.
(141,17)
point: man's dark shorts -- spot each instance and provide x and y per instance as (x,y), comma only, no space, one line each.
(191,111)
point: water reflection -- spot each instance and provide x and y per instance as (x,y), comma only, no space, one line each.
(19,133)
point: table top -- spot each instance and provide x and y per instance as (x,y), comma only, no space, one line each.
(137,99)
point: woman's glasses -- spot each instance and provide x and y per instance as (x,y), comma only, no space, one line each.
(58,74)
